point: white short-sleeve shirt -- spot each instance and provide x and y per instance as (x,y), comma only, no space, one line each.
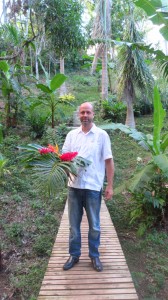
(95,146)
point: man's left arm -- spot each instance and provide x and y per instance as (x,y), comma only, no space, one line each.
(109,165)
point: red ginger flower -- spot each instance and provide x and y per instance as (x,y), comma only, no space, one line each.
(49,149)
(54,148)
(45,150)
(68,156)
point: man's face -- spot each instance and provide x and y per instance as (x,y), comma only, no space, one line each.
(86,114)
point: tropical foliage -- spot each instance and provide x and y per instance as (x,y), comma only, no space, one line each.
(149,186)
(114,111)
(11,86)
(50,168)
(134,73)
(49,97)
(36,36)
(157,11)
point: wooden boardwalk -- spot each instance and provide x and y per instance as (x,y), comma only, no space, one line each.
(82,282)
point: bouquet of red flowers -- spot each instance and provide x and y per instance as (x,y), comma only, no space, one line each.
(50,168)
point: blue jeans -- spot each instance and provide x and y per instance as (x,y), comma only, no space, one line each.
(91,201)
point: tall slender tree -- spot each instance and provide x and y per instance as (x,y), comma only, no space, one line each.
(3,17)
(134,73)
(63,21)
(101,32)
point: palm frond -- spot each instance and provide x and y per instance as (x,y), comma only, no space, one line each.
(163,66)
(12,33)
(103,16)
(132,64)
(52,175)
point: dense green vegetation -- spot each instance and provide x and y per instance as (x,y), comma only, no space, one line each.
(30,219)
(147,255)
(45,74)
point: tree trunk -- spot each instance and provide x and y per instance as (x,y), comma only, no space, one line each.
(129,92)
(14,120)
(165,217)
(39,45)
(4,13)
(1,265)
(104,73)
(31,60)
(130,115)
(37,66)
(27,18)
(8,113)
(49,67)
(109,80)
(98,53)
(63,89)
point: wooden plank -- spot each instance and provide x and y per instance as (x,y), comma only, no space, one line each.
(114,277)
(86,292)
(91,297)
(83,282)
(88,280)
(68,284)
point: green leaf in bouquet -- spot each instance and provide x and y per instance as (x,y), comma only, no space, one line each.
(81,162)
(49,170)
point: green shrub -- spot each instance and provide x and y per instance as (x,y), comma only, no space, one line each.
(148,205)
(83,80)
(114,110)
(143,108)
(37,122)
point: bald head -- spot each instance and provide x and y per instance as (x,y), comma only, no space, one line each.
(86,115)
(86,105)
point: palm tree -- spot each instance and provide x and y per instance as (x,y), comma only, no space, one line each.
(134,73)
(102,31)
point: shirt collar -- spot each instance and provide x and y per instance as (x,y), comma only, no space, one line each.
(93,129)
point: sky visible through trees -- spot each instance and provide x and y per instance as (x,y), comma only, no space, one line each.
(153,35)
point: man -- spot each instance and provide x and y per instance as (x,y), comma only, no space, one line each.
(85,190)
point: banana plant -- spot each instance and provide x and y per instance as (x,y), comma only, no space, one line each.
(11,90)
(157,12)
(149,186)
(49,98)
(157,144)
(7,89)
